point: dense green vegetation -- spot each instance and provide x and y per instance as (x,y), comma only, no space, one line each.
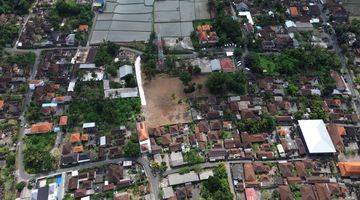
(8,31)
(25,61)
(37,157)
(265,124)
(342,32)
(292,64)
(132,147)
(217,186)
(228,29)
(149,57)
(105,54)
(221,83)
(193,157)
(106,113)
(19,7)
(75,14)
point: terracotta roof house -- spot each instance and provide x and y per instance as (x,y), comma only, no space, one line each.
(78,149)
(307,192)
(80,193)
(300,168)
(114,173)
(260,167)
(293,11)
(84,137)
(166,139)
(83,28)
(286,169)
(339,81)
(73,183)
(335,132)
(2,104)
(322,191)
(285,193)
(63,121)
(203,126)
(251,194)
(75,137)
(227,65)
(143,133)
(349,168)
(174,147)
(41,127)
(215,125)
(249,172)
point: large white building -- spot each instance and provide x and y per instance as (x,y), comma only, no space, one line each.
(316,137)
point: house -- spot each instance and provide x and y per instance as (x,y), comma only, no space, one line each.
(349,169)
(41,127)
(215,65)
(144,139)
(63,120)
(125,70)
(78,149)
(341,86)
(285,192)
(68,160)
(83,157)
(237,172)
(251,194)
(114,174)
(286,169)
(316,137)
(75,137)
(335,132)
(176,159)
(217,154)
(227,65)
(249,172)
(307,192)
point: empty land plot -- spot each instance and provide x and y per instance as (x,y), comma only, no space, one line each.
(123,21)
(165,102)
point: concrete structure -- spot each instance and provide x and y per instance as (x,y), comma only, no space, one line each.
(316,137)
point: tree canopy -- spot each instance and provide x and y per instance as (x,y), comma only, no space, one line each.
(220,83)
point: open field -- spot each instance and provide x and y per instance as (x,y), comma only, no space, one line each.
(166,100)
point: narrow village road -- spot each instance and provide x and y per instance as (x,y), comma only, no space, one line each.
(348,73)
(22,175)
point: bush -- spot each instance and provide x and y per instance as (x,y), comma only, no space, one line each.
(20,186)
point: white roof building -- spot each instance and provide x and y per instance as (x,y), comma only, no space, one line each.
(247,14)
(316,136)
(71,86)
(102,140)
(125,70)
(215,65)
(177,179)
(176,159)
(89,125)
